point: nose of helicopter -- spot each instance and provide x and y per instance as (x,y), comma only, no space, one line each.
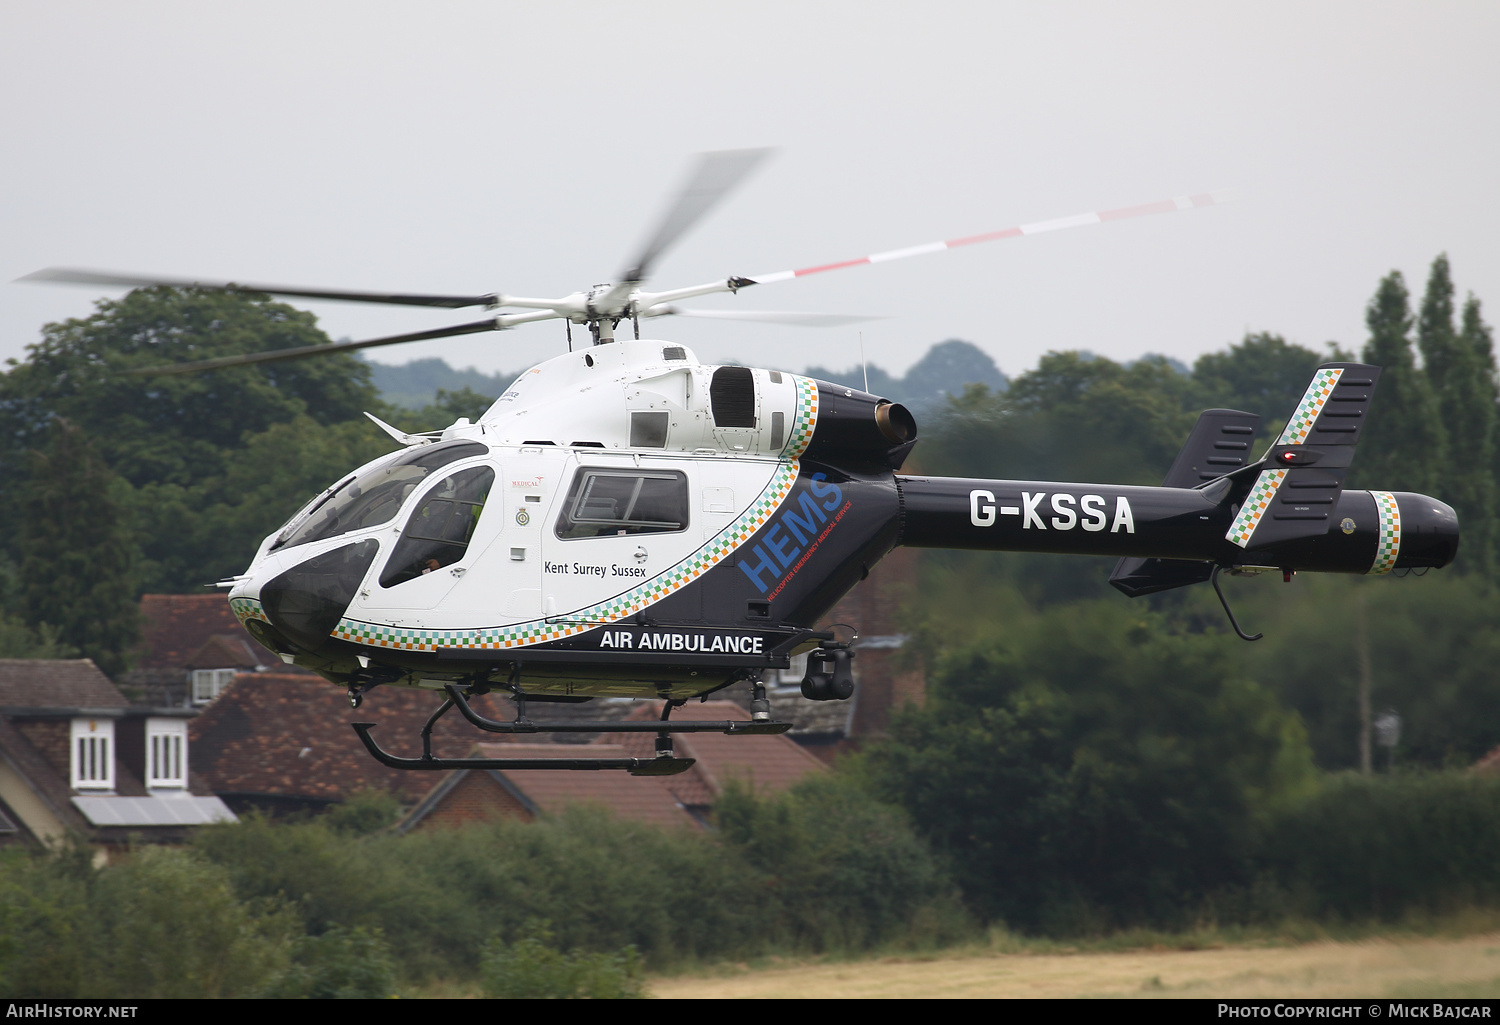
(306,602)
(1429,532)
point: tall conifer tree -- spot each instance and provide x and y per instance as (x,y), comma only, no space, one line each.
(1404,446)
(1436,338)
(1476,337)
(1460,370)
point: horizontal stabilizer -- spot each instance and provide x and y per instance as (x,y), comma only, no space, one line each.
(1135,577)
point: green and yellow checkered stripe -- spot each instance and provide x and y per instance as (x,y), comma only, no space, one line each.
(1311,405)
(1256,504)
(1388,536)
(247,608)
(804,420)
(615,609)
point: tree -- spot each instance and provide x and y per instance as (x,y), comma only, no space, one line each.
(209,529)
(1075,417)
(1087,767)
(1262,374)
(179,443)
(176,429)
(1476,338)
(1404,446)
(78,556)
(944,371)
(1461,372)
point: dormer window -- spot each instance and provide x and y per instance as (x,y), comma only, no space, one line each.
(208,684)
(792,675)
(91,754)
(166,753)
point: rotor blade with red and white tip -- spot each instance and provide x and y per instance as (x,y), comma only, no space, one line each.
(795,318)
(1076,221)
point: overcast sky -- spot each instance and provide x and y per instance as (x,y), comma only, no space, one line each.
(526,147)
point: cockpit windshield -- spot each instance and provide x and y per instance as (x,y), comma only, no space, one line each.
(377,495)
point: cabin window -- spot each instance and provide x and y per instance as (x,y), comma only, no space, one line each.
(648,429)
(91,754)
(441,527)
(166,752)
(608,503)
(376,496)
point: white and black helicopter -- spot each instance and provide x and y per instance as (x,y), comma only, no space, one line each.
(627,521)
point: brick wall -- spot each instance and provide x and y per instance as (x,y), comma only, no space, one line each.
(50,738)
(475,798)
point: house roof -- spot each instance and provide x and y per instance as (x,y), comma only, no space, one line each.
(176,627)
(287,735)
(34,778)
(769,763)
(550,790)
(56,683)
(228,651)
(40,785)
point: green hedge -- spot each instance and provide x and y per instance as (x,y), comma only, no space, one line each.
(338,907)
(1388,846)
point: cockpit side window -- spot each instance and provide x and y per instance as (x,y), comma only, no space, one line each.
(376,496)
(441,527)
(607,503)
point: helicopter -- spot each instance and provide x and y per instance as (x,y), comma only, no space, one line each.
(627,521)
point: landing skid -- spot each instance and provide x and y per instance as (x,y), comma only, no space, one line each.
(664,764)
(635,766)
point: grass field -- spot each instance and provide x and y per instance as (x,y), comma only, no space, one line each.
(1405,966)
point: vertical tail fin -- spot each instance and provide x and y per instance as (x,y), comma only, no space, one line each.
(1219,444)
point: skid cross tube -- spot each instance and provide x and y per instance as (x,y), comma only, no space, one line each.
(524,725)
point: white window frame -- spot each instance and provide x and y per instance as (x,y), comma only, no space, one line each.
(792,675)
(166,753)
(208,684)
(91,754)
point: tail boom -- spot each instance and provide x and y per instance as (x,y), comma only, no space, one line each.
(1367,532)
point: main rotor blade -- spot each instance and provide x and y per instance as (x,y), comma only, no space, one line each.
(711,180)
(1077,220)
(303,351)
(768,316)
(77,276)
